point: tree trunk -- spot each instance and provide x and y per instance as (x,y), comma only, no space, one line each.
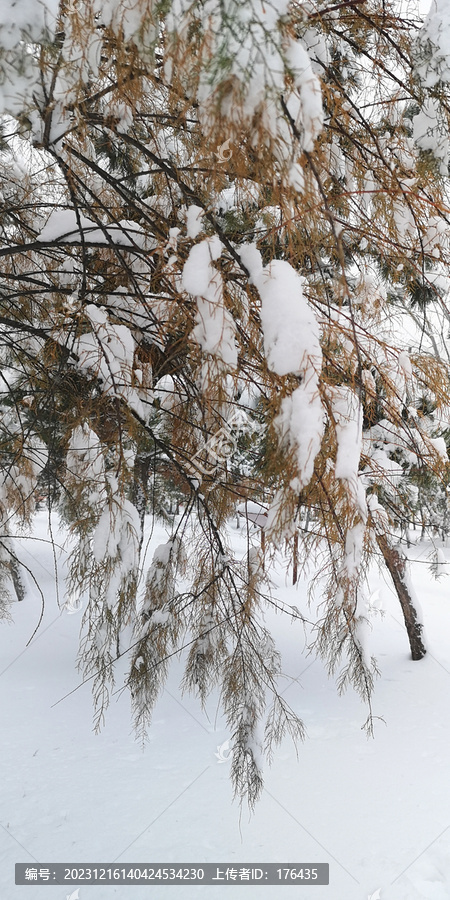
(396,564)
(139,493)
(16,578)
(295,560)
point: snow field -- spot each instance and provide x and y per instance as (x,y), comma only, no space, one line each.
(376,810)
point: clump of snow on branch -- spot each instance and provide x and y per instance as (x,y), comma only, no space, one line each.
(214,330)
(291,332)
(85,461)
(21,24)
(132,17)
(193,221)
(348,419)
(20,480)
(347,413)
(291,345)
(429,132)
(300,424)
(245,59)
(155,628)
(432,65)
(433,45)
(160,584)
(107,352)
(117,534)
(309,112)
(65,225)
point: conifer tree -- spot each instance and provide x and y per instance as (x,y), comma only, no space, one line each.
(223,249)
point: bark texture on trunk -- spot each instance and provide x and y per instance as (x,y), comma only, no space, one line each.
(295,560)
(139,494)
(396,564)
(16,578)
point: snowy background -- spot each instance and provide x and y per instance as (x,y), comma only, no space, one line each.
(377,810)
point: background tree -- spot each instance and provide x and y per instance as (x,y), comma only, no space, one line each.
(224,246)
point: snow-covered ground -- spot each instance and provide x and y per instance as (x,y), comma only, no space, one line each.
(377,810)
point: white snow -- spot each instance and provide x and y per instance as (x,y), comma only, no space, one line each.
(300,424)
(429,132)
(433,45)
(440,448)
(24,16)
(214,329)
(348,417)
(84,459)
(107,353)
(308,85)
(197,268)
(376,810)
(21,23)
(252,259)
(63,225)
(246,61)
(291,344)
(291,333)
(117,534)
(193,221)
